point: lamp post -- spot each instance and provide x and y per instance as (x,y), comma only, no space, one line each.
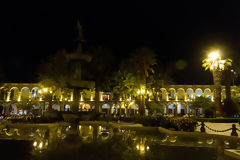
(215,64)
(46,92)
(234,75)
(142,107)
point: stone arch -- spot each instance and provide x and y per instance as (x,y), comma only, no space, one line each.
(2,109)
(105,107)
(3,93)
(13,109)
(34,93)
(171,94)
(180,109)
(180,94)
(14,94)
(207,93)
(25,93)
(56,107)
(67,107)
(163,94)
(171,108)
(190,94)
(85,106)
(198,92)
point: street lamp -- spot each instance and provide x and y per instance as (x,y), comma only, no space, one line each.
(44,91)
(215,64)
(142,92)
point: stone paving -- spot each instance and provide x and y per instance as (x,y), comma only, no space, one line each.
(219,126)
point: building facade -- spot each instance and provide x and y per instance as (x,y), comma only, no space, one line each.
(17,98)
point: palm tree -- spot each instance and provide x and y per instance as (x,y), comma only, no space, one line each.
(141,62)
(216,65)
(124,87)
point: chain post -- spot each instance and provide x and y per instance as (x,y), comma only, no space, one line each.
(202,129)
(234,130)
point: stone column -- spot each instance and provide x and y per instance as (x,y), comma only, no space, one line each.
(71,96)
(30,96)
(185,97)
(176,96)
(185,109)
(166,96)
(19,96)
(8,96)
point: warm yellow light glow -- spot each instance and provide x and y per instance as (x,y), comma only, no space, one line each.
(138,91)
(65,99)
(214,55)
(19,98)
(137,147)
(45,89)
(147,147)
(148,92)
(142,148)
(40,91)
(142,91)
(34,143)
(40,145)
(50,92)
(91,99)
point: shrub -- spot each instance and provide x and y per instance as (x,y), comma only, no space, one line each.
(175,123)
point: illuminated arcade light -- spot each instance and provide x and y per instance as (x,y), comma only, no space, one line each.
(34,143)
(137,147)
(45,89)
(142,91)
(40,145)
(138,91)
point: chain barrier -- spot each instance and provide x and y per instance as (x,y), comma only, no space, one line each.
(198,125)
(233,133)
(214,130)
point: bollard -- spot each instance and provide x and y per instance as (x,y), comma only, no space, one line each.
(233,143)
(202,129)
(234,130)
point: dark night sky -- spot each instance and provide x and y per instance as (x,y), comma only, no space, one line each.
(175,30)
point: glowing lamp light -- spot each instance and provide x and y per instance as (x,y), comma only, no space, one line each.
(138,92)
(147,147)
(40,145)
(214,55)
(137,147)
(45,89)
(142,91)
(34,143)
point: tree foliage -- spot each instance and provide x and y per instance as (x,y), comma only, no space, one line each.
(140,63)
(101,66)
(204,103)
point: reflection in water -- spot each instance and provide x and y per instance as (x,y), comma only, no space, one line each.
(113,142)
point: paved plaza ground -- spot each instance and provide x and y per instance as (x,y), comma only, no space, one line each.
(219,126)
